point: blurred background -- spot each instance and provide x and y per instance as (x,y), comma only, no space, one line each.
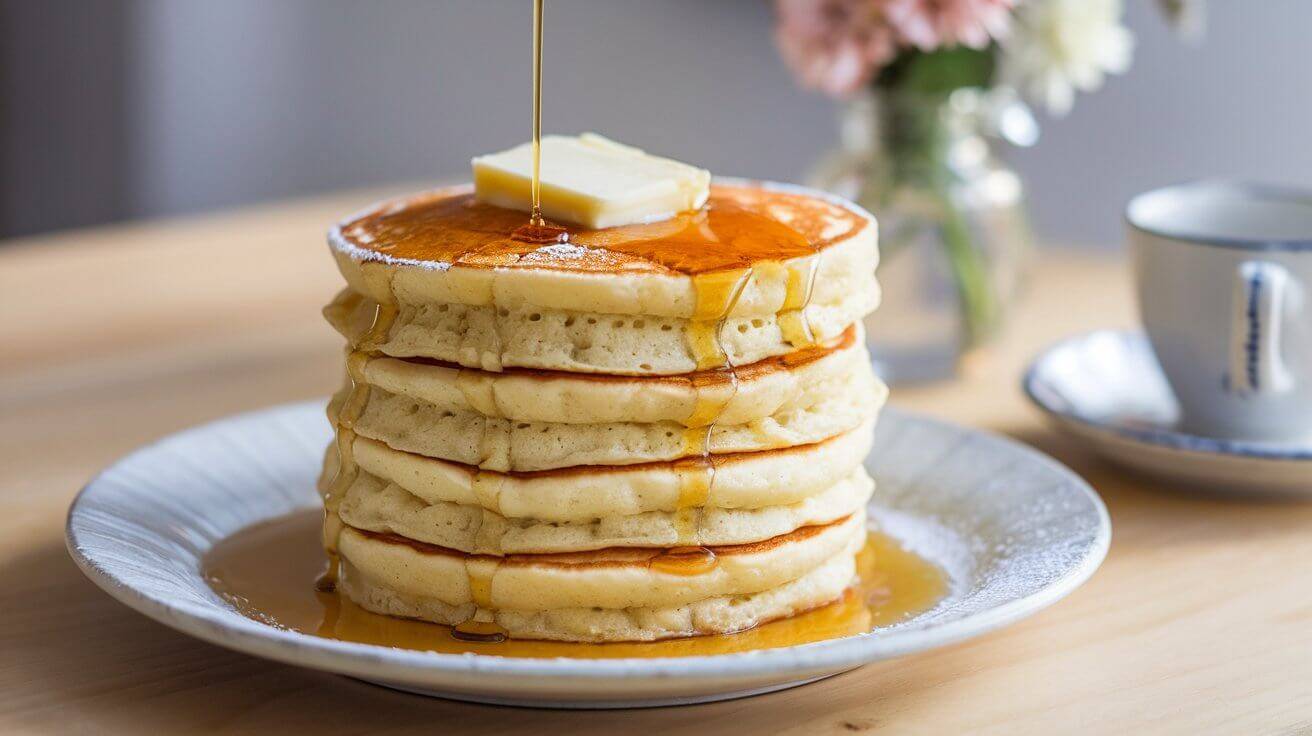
(120,109)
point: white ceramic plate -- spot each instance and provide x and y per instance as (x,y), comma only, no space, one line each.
(1015,530)
(1106,389)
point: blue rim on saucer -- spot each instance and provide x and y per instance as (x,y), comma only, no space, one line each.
(1147,410)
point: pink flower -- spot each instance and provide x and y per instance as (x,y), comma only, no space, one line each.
(838,46)
(930,24)
(834,46)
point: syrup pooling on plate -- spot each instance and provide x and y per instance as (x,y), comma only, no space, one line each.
(265,573)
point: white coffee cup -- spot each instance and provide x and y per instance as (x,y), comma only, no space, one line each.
(1224,273)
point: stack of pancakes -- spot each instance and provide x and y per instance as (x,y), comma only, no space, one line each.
(648,431)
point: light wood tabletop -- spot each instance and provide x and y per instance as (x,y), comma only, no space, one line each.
(1200,621)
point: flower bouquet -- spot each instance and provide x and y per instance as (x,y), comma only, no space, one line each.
(929,85)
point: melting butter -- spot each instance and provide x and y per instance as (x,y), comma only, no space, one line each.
(591,181)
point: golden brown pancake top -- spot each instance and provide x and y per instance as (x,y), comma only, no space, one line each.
(738,227)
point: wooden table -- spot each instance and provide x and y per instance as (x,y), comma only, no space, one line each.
(1200,621)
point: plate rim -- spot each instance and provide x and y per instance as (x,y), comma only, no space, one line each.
(231,630)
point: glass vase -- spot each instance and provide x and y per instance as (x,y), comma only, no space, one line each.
(954,237)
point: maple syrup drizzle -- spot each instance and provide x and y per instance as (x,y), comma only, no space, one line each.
(716,295)
(685,561)
(487,489)
(264,571)
(794,322)
(477,392)
(480,571)
(357,398)
(482,625)
(696,472)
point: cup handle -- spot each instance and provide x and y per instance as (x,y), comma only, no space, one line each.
(1257,306)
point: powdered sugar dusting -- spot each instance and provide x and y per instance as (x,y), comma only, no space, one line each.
(567,253)
(1004,522)
(361,235)
(560,250)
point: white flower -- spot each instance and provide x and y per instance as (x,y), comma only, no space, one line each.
(1059,46)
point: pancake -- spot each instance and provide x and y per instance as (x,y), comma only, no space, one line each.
(500,444)
(441,247)
(645,432)
(615,578)
(582,495)
(716,615)
(372,504)
(786,268)
(528,336)
(760,390)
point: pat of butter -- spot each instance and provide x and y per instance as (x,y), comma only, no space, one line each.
(591,181)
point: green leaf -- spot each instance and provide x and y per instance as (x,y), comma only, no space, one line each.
(942,71)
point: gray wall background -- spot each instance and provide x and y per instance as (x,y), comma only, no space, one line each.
(127,108)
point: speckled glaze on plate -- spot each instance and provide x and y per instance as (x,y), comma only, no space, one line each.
(1106,389)
(1014,530)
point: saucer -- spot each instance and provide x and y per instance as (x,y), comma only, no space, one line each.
(1013,530)
(1106,388)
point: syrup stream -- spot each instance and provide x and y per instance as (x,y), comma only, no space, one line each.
(535,217)
(538,230)
(482,626)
